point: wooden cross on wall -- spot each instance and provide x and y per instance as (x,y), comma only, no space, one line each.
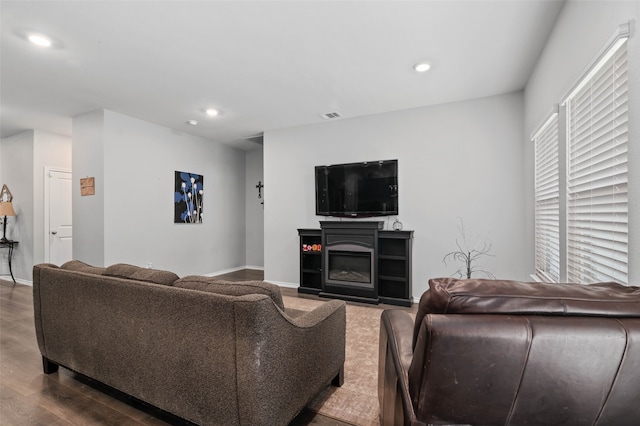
(259,186)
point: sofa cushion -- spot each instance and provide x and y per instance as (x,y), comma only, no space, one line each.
(131,272)
(76,265)
(231,288)
(482,296)
(453,296)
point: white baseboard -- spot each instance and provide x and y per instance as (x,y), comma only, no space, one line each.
(19,281)
(284,284)
(255,268)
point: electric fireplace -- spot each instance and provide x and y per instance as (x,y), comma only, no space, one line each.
(350,265)
(349,261)
(357,261)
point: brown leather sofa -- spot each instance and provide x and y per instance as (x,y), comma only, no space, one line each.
(489,352)
(205,350)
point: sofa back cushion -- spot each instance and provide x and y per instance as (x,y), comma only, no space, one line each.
(482,296)
(131,272)
(231,288)
(76,265)
(179,345)
(526,369)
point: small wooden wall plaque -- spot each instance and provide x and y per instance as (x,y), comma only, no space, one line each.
(87,186)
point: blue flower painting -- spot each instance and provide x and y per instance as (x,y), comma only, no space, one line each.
(187,198)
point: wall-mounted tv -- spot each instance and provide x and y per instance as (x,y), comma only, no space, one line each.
(357,189)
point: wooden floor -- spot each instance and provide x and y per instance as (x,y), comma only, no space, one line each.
(29,397)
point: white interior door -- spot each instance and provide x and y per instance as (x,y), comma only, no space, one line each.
(60,224)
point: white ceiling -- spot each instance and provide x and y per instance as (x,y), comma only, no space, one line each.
(264,64)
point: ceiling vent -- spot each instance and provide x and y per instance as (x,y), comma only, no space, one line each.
(330,115)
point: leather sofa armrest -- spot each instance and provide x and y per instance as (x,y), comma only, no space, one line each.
(395,355)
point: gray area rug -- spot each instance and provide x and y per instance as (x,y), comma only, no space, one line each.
(356,402)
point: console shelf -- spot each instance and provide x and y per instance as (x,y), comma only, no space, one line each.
(310,261)
(392,271)
(394,267)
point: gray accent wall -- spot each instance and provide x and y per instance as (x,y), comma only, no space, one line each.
(88,212)
(463,159)
(581,32)
(254,209)
(471,159)
(23,158)
(49,150)
(130,219)
(17,173)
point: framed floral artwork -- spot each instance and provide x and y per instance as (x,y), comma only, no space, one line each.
(187,197)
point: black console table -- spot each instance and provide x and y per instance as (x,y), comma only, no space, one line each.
(381,262)
(9,244)
(310,261)
(394,267)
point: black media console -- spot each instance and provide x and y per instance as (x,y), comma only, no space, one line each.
(356,261)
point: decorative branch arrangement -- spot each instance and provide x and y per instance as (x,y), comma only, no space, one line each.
(468,256)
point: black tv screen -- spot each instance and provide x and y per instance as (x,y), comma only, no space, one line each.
(357,189)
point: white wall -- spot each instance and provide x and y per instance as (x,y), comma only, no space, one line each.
(580,33)
(22,163)
(255,209)
(54,151)
(136,187)
(88,212)
(16,172)
(462,159)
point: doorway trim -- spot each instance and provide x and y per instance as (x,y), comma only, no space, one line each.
(46,212)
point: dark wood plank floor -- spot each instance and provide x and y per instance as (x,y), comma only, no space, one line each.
(29,397)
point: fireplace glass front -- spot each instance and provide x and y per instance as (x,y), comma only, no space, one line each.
(350,266)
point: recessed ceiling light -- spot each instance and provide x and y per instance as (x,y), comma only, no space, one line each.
(39,40)
(192,122)
(212,112)
(422,67)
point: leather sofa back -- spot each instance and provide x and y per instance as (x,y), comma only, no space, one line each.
(506,352)
(514,370)
(479,296)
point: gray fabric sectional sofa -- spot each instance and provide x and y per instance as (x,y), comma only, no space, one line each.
(208,351)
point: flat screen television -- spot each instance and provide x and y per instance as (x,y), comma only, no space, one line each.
(357,189)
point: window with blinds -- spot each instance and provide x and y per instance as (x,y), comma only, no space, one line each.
(597,142)
(547,202)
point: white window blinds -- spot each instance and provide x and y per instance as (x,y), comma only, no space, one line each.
(597,226)
(547,202)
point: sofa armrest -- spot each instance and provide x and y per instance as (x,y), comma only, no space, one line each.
(395,355)
(312,318)
(37,304)
(288,359)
